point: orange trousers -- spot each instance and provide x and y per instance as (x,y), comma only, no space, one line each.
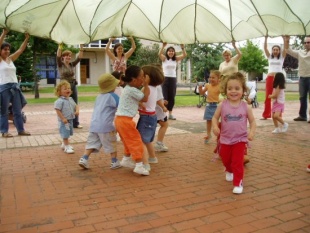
(130,136)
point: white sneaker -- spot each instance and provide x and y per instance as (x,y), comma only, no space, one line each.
(115,165)
(153,160)
(63,146)
(238,189)
(141,170)
(83,163)
(277,130)
(285,127)
(147,167)
(127,163)
(229,176)
(69,149)
(160,147)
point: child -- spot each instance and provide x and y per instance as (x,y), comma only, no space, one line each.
(102,131)
(278,103)
(213,88)
(148,121)
(162,120)
(234,113)
(126,111)
(66,110)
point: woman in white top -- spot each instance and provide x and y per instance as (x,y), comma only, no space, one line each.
(275,60)
(118,57)
(169,63)
(10,92)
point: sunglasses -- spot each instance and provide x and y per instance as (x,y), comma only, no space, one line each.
(308,42)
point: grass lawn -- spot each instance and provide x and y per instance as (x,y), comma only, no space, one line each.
(89,93)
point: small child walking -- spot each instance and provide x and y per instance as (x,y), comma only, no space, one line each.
(102,132)
(148,120)
(66,110)
(126,111)
(278,97)
(213,89)
(234,114)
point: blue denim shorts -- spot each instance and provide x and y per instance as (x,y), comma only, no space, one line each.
(210,110)
(147,127)
(65,130)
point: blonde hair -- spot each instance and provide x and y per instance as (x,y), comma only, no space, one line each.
(235,76)
(60,85)
(216,73)
(227,51)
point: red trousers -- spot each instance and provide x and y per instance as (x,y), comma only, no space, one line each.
(232,158)
(269,88)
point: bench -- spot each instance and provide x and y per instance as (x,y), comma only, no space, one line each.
(25,86)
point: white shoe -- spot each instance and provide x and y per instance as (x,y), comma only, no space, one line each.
(83,163)
(238,189)
(68,149)
(127,163)
(229,176)
(277,130)
(141,170)
(160,147)
(63,146)
(153,160)
(147,167)
(115,165)
(285,127)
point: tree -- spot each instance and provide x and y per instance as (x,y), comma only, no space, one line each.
(253,60)
(204,57)
(127,46)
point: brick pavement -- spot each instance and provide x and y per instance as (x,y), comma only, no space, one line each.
(44,190)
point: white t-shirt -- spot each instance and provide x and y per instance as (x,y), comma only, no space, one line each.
(170,68)
(275,64)
(152,99)
(160,114)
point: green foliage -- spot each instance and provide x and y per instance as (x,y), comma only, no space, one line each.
(204,57)
(127,46)
(253,59)
(147,55)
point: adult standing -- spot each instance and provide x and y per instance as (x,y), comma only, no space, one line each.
(169,63)
(66,72)
(10,92)
(230,63)
(275,61)
(303,56)
(118,57)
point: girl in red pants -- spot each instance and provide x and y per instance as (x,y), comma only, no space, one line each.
(275,60)
(234,114)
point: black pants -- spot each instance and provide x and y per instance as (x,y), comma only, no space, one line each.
(74,96)
(169,91)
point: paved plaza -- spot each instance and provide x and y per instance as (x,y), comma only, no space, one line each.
(42,189)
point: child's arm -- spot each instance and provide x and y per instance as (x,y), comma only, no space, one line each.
(146,89)
(61,116)
(161,104)
(275,93)
(215,120)
(77,110)
(252,122)
(203,90)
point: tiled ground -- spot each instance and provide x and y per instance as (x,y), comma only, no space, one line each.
(44,190)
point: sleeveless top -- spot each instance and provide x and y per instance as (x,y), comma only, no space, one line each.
(281,97)
(275,64)
(170,68)
(120,65)
(233,123)
(7,72)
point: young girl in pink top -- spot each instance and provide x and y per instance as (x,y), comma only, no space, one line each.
(234,114)
(278,97)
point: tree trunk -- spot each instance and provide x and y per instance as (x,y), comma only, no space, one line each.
(34,70)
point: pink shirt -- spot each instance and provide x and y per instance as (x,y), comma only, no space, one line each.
(233,123)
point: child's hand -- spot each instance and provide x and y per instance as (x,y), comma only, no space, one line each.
(76,113)
(65,121)
(142,106)
(165,109)
(269,96)
(250,136)
(165,102)
(216,131)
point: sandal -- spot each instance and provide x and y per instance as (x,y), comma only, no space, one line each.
(7,135)
(24,133)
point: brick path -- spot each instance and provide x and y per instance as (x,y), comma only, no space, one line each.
(44,190)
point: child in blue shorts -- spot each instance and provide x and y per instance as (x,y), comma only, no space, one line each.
(66,110)
(102,131)
(147,122)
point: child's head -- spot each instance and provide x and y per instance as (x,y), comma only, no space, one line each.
(156,75)
(279,81)
(234,86)
(134,76)
(119,75)
(107,83)
(214,77)
(63,88)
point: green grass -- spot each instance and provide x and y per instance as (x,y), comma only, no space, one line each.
(183,98)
